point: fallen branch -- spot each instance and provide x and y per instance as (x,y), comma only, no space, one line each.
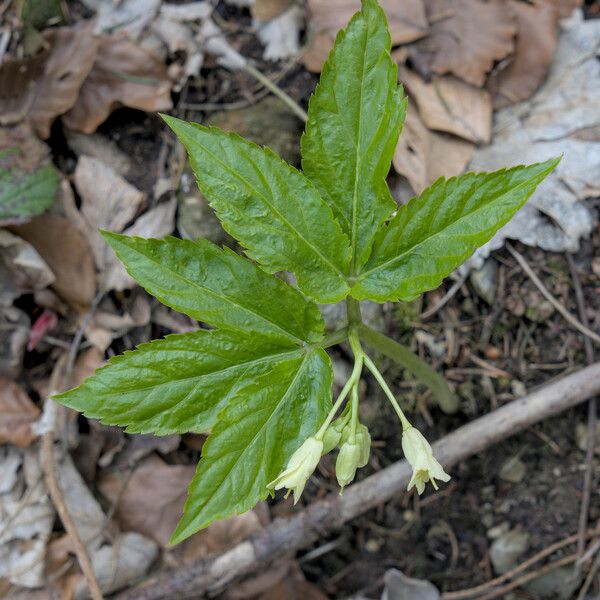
(212,574)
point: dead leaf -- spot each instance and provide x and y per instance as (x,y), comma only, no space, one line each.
(465,39)
(151,500)
(123,74)
(85,366)
(107,202)
(118,564)
(400,587)
(281,35)
(130,16)
(68,255)
(100,147)
(451,105)
(14,334)
(407,22)
(45,323)
(534,49)
(72,54)
(265,10)
(422,155)
(22,269)
(155,223)
(17,413)
(561,118)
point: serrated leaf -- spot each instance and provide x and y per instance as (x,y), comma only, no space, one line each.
(435,232)
(254,439)
(24,195)
(218,286)
(271,208)
(179,383)
(354,120)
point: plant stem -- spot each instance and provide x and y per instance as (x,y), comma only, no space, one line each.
(353,311)
(413,364)
(275,89)
(334,338)
(384,386)
(354,379)
(354,408)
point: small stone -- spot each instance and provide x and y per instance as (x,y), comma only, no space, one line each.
(559,584)
(506,550)
(581,437)
(373,546)
(518,388)
(513,470)
(484,280)
(539,312)
(499,530)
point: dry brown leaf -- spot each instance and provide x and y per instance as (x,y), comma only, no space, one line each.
(68,255)
(465,39)
(406,20)
(152,501)
(107,202)
(535,46)
(422,155)
(265,10)
(123,74)
(17,413)
(72,54)
(451,105)
(14,334)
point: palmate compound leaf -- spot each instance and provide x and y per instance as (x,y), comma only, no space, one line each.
(435,232)
(354,120)
(218,286)
(271,208)
(255,437)
(179,383)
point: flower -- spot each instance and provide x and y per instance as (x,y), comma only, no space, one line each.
(420,456)
(300,467)
(347,463)
(333,435)
(363,439)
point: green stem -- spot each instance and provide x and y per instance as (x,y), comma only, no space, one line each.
(336,337)
(354,408)
(353,311)
(354,379)
(384,386)
(413,364)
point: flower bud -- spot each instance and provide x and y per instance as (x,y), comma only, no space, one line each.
(347,463)
(420,456)
(333,435)
(363,439)
(300,467)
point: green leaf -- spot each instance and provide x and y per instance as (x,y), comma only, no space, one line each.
(218,286)
(179,383)
(271,208)
(254,439)
(354,120)
(437,231)
(24,195)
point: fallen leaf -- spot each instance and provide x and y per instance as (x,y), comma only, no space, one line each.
(151,500)
(281,35)
(28,181)
(46,322)
(407,22)
(451,105)
(155,223)
(68,255)
(22,269)
(100,147)
(123,74)
(117,565)
(265,10)
(14,334)
(561,118)
(72,54)
(422,155)
(17,413)
(130,16)
(534,49)
(107,202)
(466,38)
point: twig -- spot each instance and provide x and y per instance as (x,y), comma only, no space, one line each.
(590,577)
(591,424)
(473,592)
(48,462)
(557,305)
(214,573)
(272,87)
(443,301)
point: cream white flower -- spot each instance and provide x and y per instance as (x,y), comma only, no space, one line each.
(300,467)
(420,456)
(347,463)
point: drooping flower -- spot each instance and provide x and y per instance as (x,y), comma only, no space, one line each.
(299,468)
(347,463)
(420,456)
